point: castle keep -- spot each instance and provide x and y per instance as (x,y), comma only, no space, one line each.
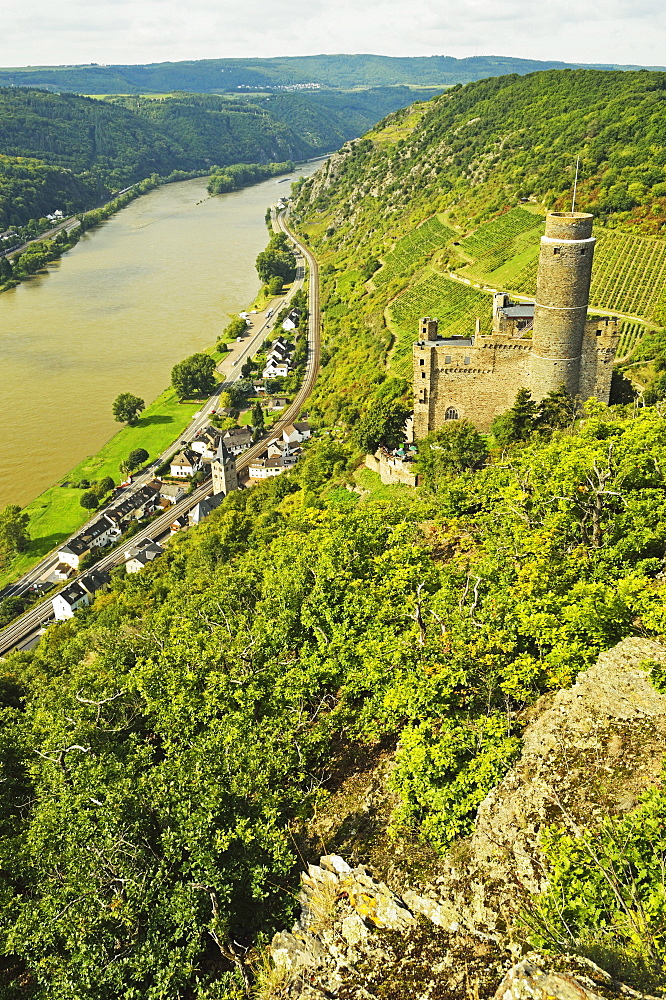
(540,346)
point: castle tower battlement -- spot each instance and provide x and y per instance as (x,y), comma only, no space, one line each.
(560,312)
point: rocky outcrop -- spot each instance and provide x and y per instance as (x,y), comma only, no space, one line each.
(589,751)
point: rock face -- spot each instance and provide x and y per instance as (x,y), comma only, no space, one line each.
(588,751)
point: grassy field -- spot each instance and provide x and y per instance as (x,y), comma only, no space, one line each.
(57,512)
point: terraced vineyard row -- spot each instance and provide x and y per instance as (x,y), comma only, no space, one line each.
(456,306)
(413,248)
(629,274)
(630,335)
(494,243)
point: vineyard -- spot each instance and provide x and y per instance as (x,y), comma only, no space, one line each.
(413,249)
(497,243)
(630,335)
(628,275)
(455,305)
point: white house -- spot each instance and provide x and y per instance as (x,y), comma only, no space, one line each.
(296,433)
(101,532)
(206,441)
(204,508)
(78,594)
(264,468)
(185,464)
(172,492)
(275,369)
(237,439)
(137,556)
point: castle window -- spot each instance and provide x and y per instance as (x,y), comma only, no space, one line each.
(599,332)
(556,249)
(423,374)
(451,413)
(421,361)
(447,359)
(466,360)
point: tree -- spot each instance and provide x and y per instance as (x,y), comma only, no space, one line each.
(224,401)
(104,486)
(89,500)
(127,407)
(137,457)
(275,285)
(518,423)
(14,535)
(194,377)
(557,411)
(257,415)
(457,447)
(273,263)
(383,424)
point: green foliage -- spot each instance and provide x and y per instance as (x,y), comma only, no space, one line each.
(383,424)
(194,378)
(555,412)
(89,500)
(277,261)
(137,457)
(204,699)
(127,407)
(239,175)
(14,535)
(444,772)
(105,485)
(457,447)
(606,894)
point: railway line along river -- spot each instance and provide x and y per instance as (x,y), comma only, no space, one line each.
(143,290)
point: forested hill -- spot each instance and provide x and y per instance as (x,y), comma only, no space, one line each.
(478,167)
(101,146)
(229,75)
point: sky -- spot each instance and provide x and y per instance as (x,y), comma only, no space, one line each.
(53,32)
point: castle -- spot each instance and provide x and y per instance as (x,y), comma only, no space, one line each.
(540,346)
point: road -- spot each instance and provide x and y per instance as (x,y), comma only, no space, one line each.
(19,633)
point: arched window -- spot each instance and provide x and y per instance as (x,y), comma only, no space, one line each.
(451,413)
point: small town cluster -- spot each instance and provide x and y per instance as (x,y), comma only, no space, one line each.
(212,451)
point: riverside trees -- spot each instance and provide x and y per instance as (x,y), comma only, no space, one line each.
(194,377)
(127,407)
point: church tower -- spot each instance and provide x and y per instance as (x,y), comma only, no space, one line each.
(223,468)
(560,313)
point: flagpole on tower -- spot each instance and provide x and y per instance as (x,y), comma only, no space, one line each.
(573,200)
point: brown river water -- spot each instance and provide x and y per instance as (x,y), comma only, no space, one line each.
(143,290)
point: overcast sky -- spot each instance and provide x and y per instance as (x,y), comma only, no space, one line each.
(52,32)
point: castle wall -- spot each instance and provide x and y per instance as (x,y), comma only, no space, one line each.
(473,382)
(599,346)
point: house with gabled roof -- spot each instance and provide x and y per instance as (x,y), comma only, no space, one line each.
(139,555)
(237,439)
(78,594)
(185,463)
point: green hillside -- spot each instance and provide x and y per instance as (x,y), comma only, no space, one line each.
(232,75)
(102,146)
(460,185)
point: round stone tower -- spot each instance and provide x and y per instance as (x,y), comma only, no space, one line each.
(563,289)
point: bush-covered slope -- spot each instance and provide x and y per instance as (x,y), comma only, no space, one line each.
(500,151)
(161,751)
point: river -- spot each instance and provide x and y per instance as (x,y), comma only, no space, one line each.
(143,290)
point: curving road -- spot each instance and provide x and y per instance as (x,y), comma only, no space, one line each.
(25,627)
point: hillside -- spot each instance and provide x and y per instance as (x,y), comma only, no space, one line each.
(102,146)
(457,188)
(459,685)
(231,75)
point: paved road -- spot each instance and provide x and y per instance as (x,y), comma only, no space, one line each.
(20,632)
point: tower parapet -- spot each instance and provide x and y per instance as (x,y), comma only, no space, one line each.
(560,313)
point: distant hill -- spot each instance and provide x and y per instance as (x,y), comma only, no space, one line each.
(69,152)
(232,75)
